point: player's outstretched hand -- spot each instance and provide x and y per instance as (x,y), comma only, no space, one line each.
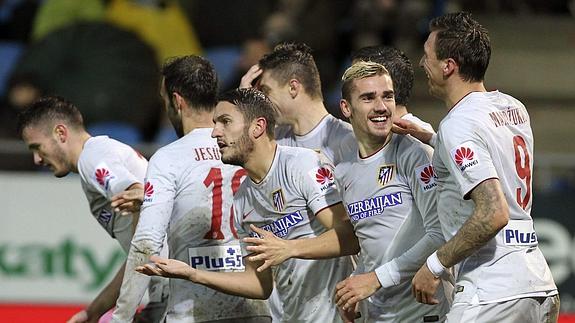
(406,127)
(80,317)
(269,248)
(354,289)
(248,79)
(424,286)
(129,200)
(170,268)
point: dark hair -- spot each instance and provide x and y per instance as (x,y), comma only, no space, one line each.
(194,78)
(50,109)
(291,60)
(253,104)
(398,65)
(464,40)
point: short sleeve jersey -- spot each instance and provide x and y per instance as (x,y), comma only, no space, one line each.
(390,198)
(297,187)
(331,137)
(107,167)
(488,135)
(188,197)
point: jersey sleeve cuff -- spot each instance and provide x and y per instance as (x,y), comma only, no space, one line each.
(388,274)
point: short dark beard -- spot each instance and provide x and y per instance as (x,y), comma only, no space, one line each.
(245,147)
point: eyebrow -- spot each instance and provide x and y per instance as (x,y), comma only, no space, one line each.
(367,95)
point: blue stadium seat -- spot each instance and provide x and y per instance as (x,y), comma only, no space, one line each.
(9,54)
(224,60)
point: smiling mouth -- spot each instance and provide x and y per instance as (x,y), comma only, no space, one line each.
(378,119)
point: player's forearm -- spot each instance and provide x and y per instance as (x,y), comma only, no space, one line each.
(336,242)
(134,286)
(489,217)
(404,267)
(106,299)
(245,284)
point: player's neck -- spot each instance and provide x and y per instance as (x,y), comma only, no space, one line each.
(77,144)
(368,147)
(460,89)
(197,119)
(308,117)
(261,160)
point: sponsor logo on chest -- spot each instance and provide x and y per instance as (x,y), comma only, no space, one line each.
(519,233)
(373,206)
(280,227)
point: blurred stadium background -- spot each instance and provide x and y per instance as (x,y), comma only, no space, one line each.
(105,55)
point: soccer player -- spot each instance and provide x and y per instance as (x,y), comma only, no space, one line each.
(388,189)
(290,193)
(188,197)
(483,160)
(401,71)
(54,131)
(290,78)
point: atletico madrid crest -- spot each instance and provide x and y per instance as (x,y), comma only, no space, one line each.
(385,174)
(278,199)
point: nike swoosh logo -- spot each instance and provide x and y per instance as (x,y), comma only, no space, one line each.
(346,186)
(246,214)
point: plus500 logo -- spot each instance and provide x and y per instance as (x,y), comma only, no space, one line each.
(230,263)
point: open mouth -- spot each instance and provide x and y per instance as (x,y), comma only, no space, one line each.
(378,119)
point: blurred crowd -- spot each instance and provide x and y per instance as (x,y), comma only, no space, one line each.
(104,55)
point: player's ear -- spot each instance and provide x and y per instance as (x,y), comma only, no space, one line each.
(259,127)
(179,101)
(449,67)
(294,88)
(60,133)
(345,108)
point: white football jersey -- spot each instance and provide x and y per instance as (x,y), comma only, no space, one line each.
(108,167)
(390,198)
(297,186)
(188,196)
(488,135)
(331,137)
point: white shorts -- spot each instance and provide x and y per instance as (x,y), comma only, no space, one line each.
(524,310)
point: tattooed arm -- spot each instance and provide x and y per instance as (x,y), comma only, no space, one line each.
(491,214)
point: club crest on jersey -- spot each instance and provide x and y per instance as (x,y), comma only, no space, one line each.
(323,177)
(278,200)
(280,227)
(426,176)
(372,206)
(103,177)
(385,174)
(148,192)
(465,156)
(104,217)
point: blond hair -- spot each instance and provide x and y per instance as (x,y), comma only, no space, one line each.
(359,70)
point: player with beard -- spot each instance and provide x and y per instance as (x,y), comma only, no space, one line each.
(54,131)
(188,197)
(289,193)
(483,160)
